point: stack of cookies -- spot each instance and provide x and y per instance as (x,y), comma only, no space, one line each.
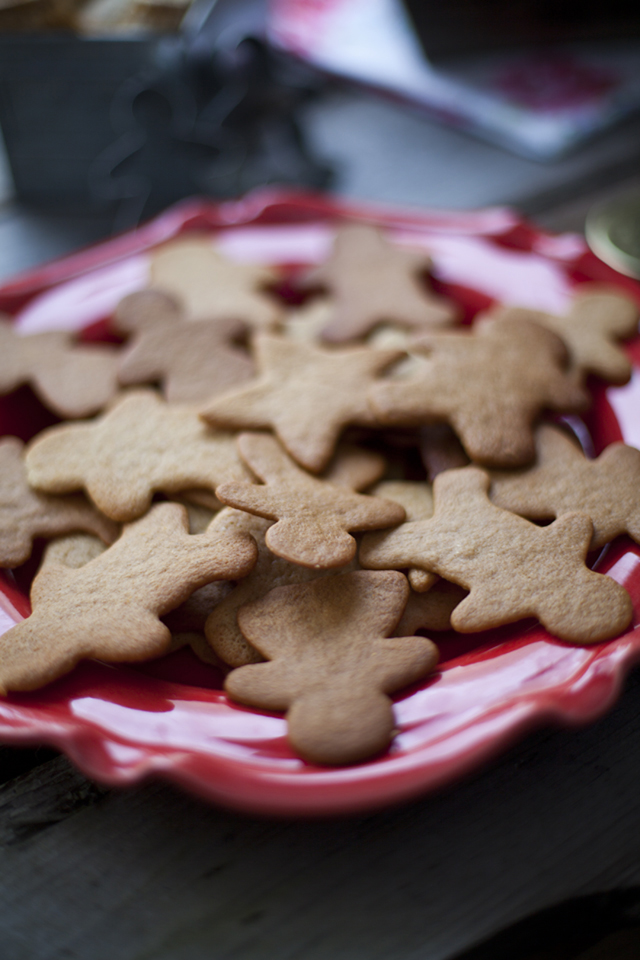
(295,492)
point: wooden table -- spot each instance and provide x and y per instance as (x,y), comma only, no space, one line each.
(153,874)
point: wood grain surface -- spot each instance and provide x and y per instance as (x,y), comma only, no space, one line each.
(153,873)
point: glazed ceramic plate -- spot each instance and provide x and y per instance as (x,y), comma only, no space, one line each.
(170,717)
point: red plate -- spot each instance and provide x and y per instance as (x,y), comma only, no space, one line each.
(121,724)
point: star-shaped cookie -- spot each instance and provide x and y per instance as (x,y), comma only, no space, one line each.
(372,281)
(563,480)
(331,664)
(209,286)
(307,394)
(489,385)
(598,318)
(314,516)
(110,606)
(142,445)
(192,361)
(72,380)
(26,514)
(512,568)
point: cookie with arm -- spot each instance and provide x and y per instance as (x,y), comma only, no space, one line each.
(305,393)
(72,379)
(209,285)
(110,607)
(142,445)
(313,516)
(26,514)
(597,319)
(562,480)
(512,568)
(490,385)
(372,281)
(331,664)
(193,361)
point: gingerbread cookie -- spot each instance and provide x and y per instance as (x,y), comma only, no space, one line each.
(198,497)
(512,568)
(563,480)
(313,516)
(373,281)
(598,318)
(417,499)
(305,393)
(197,643)
(192,361)
(350,466)
(186,622)
(73,550)
(221,629)
(72,380)
(209,287)
(354,467)
(440,450)
(26,514)
(140,446)
(145,308)
(431,610)
(331,665)
(110,607)
(489,385)
(307,321)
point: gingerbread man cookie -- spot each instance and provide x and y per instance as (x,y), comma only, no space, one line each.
(373,281)
(186,622)
(489,385)
(26,514)
(140,446)
(208,286)
(110,607)
(72,380)
(598,318)
(313,516)
(563,480)
(192,361)
(512,568)
(331,665)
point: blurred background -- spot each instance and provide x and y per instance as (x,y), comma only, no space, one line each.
(111,110)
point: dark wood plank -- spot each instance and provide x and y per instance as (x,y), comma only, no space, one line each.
(153,873)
